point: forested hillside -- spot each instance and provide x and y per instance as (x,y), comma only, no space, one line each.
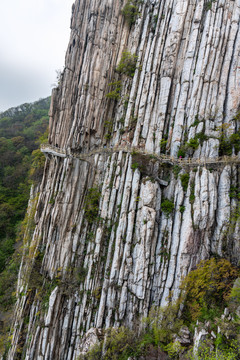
(21,130)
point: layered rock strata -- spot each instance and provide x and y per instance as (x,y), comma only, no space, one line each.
(110,239)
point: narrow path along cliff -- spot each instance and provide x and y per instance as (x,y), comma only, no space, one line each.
(56,151)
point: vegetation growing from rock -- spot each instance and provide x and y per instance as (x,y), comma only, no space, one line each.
(182,209)
(208,289)
(127,64)
(108,125)
(209,4)
(234,192)
(92,204)
(162,324)
(176,170)
(205,352)
(192,144)
(181,152)
(135,166)
(130,11)
(163,145)
(116,87)
(227,145)
(167,206)
(185,180)
(192,192)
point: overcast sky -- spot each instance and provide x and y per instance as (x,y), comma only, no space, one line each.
(34,36)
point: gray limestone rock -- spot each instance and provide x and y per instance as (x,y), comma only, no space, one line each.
(184,336)
(91,338)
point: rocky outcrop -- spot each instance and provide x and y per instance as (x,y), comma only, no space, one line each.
(91,338)
(110,239)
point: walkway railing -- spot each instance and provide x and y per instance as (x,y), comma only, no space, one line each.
(56,151)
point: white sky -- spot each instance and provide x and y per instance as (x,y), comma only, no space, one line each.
(34,35)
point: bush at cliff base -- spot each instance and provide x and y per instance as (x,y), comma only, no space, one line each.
(206,290)
(206,352)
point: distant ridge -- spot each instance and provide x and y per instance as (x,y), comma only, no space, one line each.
(26,107)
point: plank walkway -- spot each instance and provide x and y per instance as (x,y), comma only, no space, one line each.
(56,151)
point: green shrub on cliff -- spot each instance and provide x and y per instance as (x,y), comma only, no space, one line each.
(162,324)
(193,143)
(120,344)
(225,147)
(184,180)
(163,144)
(207,289)
(227,144)
(167,206)
(116,87)
(207,352)
(92,204)
(130,11)
(127,64)
(235,141)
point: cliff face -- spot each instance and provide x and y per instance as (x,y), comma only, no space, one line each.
(158,216)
